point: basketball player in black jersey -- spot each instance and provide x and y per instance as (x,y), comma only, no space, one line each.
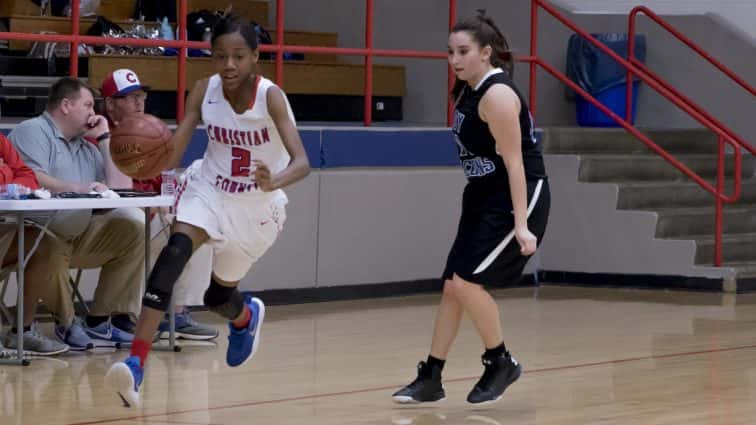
(505,208)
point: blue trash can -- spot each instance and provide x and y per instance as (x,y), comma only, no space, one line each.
(602,77)
(614,98)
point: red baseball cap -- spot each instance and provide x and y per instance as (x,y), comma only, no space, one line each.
(120,83)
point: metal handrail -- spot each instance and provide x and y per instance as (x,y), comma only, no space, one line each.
(632,18)
(724,135)
(279,48)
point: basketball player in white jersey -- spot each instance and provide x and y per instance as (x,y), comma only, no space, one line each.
(232,201)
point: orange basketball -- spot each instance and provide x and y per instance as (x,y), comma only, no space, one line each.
(141,146)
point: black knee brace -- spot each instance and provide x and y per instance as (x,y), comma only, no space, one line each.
(224,300)
(166,271)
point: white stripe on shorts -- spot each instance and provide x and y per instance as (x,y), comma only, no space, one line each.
(495,253)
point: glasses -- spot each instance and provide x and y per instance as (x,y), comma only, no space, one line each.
(134,97)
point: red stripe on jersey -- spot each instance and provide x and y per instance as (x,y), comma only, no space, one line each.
(254,93)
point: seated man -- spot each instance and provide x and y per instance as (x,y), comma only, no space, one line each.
(14,171)
(54,146)
(124,95)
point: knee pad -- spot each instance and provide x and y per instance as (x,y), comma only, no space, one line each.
(166,271)
(224,300)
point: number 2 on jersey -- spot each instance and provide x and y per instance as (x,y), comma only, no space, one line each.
(240,162)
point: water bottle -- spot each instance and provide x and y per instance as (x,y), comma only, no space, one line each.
(12,191)
(166,31)
(168,187)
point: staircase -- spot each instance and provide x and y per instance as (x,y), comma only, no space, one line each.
(646,182)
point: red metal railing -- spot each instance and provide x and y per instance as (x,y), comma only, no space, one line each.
(632,19)
(75,39)
(450,71)
(724,135)
(369,62)
(181,77)
(279,41)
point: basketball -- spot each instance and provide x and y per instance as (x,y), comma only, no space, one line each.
(141,146)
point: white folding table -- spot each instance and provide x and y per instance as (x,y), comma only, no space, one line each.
(22,209)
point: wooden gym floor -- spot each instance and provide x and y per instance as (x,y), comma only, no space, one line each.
(591,356)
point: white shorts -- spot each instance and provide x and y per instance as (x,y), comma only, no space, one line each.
(241,227)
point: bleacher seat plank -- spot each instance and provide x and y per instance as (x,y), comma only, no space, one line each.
(300,77)
(117,9)
(309,38)
(61,25)
(17,7)
(256,10)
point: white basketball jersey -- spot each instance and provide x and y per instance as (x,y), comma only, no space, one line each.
(235,140)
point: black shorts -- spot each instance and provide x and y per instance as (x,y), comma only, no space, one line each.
(485,250)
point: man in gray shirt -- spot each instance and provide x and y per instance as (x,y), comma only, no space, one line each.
(54,145)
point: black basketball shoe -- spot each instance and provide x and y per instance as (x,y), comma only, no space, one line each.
(499,373)
(425,388)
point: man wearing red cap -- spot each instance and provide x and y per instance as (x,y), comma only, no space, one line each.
(124,95)
(121,83)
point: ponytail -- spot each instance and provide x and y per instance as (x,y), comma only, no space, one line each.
(483,29)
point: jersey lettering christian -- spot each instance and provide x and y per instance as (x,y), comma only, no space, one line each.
(235,140)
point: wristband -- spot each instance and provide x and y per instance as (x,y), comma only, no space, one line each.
(103,136)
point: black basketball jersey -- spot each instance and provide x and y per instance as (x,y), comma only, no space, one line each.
(476,144)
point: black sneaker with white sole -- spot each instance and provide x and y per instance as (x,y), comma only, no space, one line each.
(426,388)
(499,373)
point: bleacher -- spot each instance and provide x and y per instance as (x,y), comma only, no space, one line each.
(310,83)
